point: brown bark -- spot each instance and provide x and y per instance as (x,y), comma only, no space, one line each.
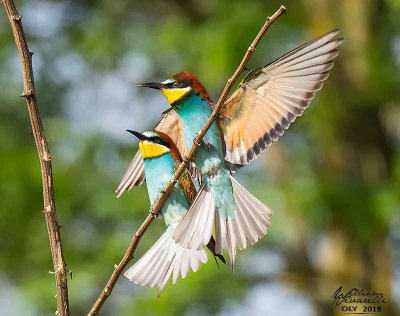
(44,158)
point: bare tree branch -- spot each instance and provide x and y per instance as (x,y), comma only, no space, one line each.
(44,158)
(168,187)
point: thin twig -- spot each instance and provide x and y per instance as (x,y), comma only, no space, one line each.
(168,187)
(44,158)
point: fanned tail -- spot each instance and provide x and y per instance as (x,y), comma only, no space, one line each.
(195,229)
(251,222)
(164,259)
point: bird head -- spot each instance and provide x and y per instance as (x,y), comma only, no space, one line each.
(178,86)
(154,144)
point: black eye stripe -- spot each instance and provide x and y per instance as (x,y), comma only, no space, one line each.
(160,141)
(183,84)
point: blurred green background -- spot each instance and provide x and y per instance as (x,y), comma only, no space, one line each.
(333,180)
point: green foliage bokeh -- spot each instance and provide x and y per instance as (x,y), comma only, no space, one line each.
(333,179)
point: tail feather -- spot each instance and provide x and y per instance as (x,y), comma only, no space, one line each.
(254,217)
(251,222)
(185,266)
(150,268)
(177,267)
(220,233)
(245,230)
(150,263)
(232,240)
(225,236)
(202,255)
(195,229)
(260,209)
(261,217)
(238,231)
(193,263)
(165,259)
(164,280)
(157,271)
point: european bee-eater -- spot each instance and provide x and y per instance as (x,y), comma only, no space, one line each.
(258,112)
(166,257)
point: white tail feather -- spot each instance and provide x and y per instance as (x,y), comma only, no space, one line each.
(164,259)
(253,217)
(195,229)
(251,222)
(220,234)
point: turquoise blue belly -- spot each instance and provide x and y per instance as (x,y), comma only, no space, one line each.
(158,172)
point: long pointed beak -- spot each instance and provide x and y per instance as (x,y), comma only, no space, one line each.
(138,135)
(153,85)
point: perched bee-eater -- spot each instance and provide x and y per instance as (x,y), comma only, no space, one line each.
(166,257)
(267,100)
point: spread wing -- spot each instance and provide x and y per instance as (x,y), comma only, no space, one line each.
(171,125)
(271,97)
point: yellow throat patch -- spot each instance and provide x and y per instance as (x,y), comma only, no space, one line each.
(151,150)
(174,95)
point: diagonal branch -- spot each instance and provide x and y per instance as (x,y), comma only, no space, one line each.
(44,158)
(168,187)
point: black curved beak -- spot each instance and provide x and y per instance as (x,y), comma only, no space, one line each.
(153,85)
(138,135)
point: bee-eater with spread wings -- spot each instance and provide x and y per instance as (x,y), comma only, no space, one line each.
(258,112)
(166,258)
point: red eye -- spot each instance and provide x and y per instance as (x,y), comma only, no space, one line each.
(176,84)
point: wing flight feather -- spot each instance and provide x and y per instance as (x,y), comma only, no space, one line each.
(271,97)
